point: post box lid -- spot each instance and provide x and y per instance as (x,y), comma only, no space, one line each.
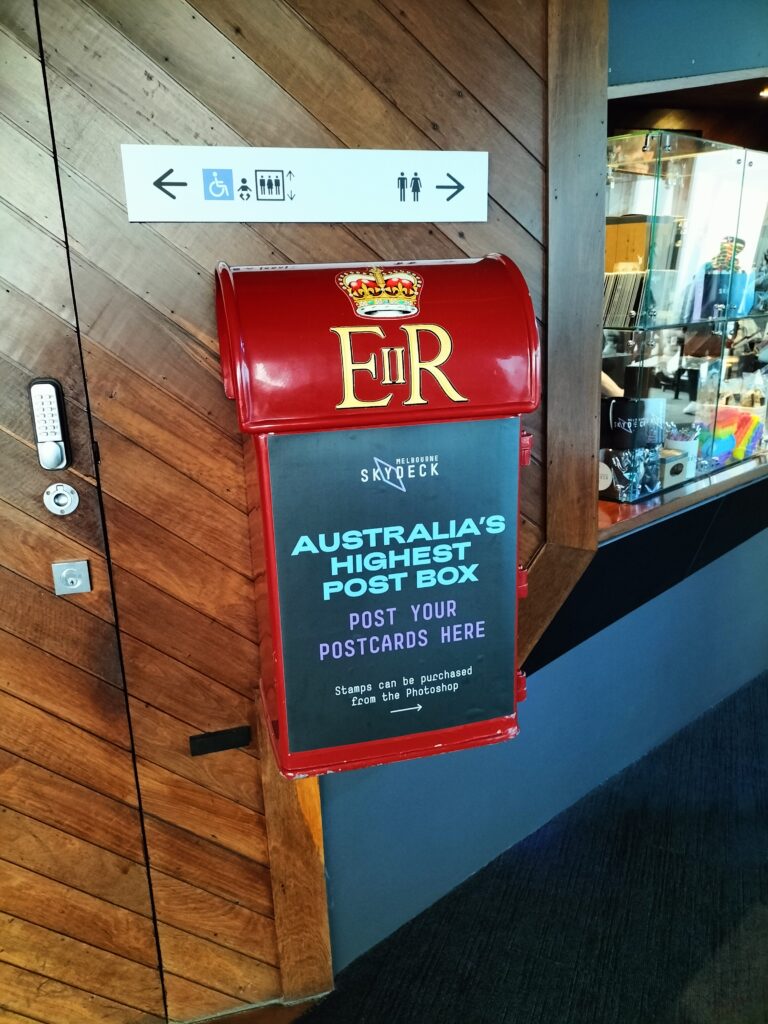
(352,345)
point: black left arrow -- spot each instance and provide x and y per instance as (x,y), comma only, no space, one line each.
(165,186)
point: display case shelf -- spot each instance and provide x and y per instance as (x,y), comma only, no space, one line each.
(685,312)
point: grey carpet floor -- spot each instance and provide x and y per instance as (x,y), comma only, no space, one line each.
(644,903)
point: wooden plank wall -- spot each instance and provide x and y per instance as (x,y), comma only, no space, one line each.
(307,74)
(174,501)
(456,74)
(77,942)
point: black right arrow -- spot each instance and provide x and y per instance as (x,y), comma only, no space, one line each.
(456,186)
(165,185)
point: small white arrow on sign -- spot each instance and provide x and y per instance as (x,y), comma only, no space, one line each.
(396,711)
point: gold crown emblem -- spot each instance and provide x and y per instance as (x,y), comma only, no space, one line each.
(382,293)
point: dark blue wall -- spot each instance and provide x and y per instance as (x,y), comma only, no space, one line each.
(399,837)
(659,39)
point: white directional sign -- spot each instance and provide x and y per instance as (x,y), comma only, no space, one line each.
(237,183)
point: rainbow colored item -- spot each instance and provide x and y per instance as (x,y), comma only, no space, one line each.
(737,434)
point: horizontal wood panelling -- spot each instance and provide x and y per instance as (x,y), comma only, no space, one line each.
(132,254)
(168,428)
(52,905)
(27,263)
(314,242)
(29,548)
(9,1017)
(209,867)
(23,85)
(441,107)
(176,629)
(98,128)
(63,959)
(203,813)
(186,48)
(159,491)
(165,741)
(76,863)
(77,943)
(326,84)
(56,626)
(523,25)
(226,970)
(63,748)
(177,115)
(66,805)
(184,572)
(179,690)
(502,81)
(170,441)
(63,690)
(23,482)
(193,910)
(24,191)
(33,324)
(189,1001)
(57,1003)
(155,463)
(141,336)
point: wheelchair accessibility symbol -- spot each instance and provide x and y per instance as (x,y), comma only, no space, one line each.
(217,183)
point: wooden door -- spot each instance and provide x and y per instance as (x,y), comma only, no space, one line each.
(77,937)
(234,852)
(119,852)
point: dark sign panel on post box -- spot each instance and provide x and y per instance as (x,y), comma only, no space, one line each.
(384,406)
(396,568)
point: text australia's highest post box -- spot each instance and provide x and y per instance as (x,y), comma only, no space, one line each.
(382,411)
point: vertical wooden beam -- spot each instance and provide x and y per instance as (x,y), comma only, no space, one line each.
(293,816)
(578,65)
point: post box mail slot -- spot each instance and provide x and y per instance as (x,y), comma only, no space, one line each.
(384,408)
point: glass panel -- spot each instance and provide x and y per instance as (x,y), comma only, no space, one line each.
(672,205)
(685,311)
(749,283)
(739,431)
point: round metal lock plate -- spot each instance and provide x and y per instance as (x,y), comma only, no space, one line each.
(61,499)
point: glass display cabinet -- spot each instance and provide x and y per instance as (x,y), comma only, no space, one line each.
(685,312)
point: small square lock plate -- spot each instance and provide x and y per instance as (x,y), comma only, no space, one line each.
(71,577)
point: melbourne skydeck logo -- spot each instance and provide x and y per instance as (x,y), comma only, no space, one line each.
(402,470)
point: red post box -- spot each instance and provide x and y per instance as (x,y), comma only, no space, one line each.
(383,405)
